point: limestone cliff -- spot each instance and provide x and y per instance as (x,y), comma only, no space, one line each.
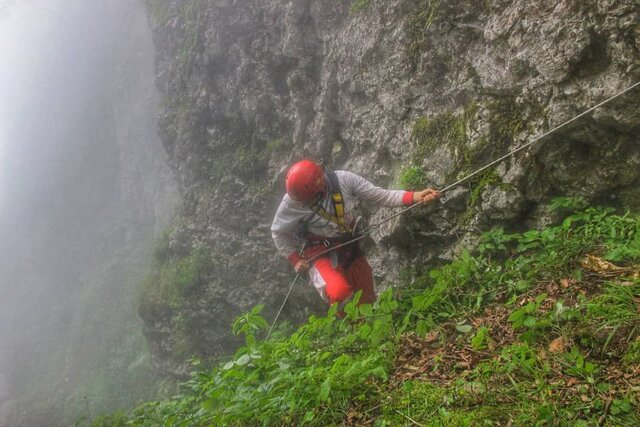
(404,92)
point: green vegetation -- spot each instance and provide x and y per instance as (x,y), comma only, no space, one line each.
(428,134)
(174,277)
(506,119)
(412,178)
(448,130)
(161,250)
(257,155)
(418,29)
(192,12)
(444,129)
(358,5)
(533,328)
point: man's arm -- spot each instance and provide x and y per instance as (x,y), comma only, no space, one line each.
(284,228)
(366,191)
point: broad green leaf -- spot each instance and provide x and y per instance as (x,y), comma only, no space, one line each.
(478,342)
(422,327)
(308,417)
(529,321)
(325,389)
(366,309)
(364,331)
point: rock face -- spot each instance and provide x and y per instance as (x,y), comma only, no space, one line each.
(385,88)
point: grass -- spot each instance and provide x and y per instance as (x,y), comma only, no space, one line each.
(533,328)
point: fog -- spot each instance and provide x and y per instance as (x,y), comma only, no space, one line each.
(83,189)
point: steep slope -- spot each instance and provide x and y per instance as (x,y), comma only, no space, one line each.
(538,328)
(405,93)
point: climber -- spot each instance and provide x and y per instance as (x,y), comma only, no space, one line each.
(318,211)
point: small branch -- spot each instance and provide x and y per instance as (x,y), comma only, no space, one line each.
(373,409)
(410,419)
(395,333)
(603,417)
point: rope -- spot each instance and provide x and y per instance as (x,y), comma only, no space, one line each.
(371,228)
(282,306)
(511,153)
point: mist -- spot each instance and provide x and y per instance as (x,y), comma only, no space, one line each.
(83,189)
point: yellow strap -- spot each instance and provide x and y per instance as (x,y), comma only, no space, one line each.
(339,217)
(339,206)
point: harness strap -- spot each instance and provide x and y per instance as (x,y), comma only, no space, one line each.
(338,205)
(338,220)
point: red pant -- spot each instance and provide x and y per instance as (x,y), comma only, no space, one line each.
(342,282)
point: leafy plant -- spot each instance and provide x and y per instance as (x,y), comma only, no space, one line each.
(335,367)
(480,339)
(525,316)
(577,365)
(412,178)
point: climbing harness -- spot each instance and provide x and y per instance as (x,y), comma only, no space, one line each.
(338,205)
(373,227)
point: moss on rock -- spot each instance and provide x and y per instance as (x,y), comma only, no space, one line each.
(172,278)
(507,117)
(412,178)
(418,29)
(444,129)
(630,198)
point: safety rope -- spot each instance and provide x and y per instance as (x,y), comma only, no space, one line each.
(511,153)
(371,228)
(282,306)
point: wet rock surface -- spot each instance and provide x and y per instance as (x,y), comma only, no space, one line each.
(251,86)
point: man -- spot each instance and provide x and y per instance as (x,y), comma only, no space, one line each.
(318,210)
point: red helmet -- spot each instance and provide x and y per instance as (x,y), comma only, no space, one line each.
(305,180)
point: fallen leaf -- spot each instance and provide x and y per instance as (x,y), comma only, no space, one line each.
(431,337)
(565,283)
(605,268)
(557,346)
(597,264)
